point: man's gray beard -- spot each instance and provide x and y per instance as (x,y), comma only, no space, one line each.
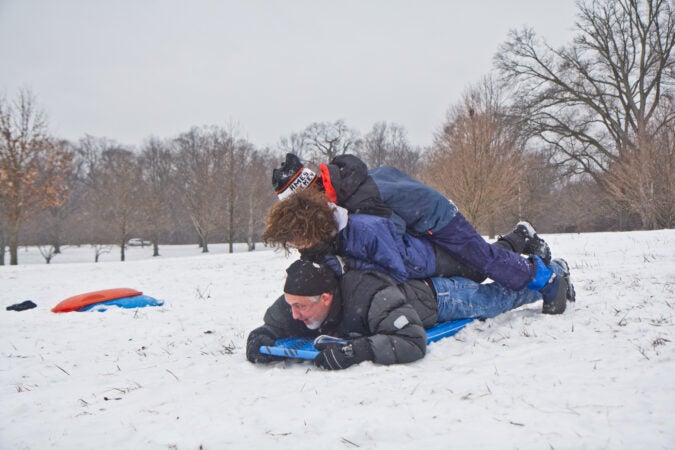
(314,325)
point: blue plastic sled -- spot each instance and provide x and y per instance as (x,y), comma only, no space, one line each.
(303,348)
(136,301)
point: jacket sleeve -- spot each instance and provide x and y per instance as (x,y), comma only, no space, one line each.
(397,332)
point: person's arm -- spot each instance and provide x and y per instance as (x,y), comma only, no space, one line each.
(397,335)
(278,323)
(260,336)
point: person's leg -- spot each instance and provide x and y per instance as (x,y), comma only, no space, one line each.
(462,241)
(523,239)
(460,298)
(448,266)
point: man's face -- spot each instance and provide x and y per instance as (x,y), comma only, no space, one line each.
(311,313)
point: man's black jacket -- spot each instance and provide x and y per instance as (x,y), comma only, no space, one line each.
(368,305)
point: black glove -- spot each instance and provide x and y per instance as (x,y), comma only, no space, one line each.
(324,253)
(259,336)
(22,306)
(317,253)
(334,263)
(340,356)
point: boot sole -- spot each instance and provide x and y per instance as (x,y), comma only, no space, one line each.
(571,293)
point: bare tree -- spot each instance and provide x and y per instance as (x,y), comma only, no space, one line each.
(33,167)
(200,169)
(536,188)
(477,158)
(113,177)
(295,143)
(257,195)
(157,173)
(120,179)
(94,224)
(47,252)
(594,101)
(644,179)
(4,240)
(580,205)
(100,249)
(378,142)
(235,183)
(387,145)
(57,221)
(323,141)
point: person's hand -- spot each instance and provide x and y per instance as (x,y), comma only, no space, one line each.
(259,337)
(334,263)
(335,356)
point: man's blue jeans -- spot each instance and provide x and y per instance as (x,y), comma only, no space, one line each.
(461,298)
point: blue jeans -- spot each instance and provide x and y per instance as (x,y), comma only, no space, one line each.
(461,298)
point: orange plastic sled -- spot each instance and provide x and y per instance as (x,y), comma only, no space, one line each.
(80,301)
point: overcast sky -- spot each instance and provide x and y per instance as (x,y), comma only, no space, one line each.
(130,69)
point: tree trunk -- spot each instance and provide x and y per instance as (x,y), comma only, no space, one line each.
(251,238)
(14,242)
(3,247)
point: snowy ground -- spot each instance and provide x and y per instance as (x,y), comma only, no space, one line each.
(600,376)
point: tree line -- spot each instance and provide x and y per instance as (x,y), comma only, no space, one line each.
(579,138)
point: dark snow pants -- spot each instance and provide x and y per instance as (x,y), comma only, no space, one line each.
(460,239)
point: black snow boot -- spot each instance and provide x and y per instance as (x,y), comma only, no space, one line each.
(553,287)
(524,239)
(555,295)
(571,295)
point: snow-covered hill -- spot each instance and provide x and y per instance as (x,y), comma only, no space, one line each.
(600,376)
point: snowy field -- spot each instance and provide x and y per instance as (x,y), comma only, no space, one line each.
(601,376)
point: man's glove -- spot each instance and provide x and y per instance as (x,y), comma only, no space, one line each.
(340,356)
(259,336)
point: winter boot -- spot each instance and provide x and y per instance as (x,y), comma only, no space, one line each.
(524,239)
(515,241)
(571,294)
(553,287)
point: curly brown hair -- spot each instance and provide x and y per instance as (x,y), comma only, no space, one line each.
(300,221)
